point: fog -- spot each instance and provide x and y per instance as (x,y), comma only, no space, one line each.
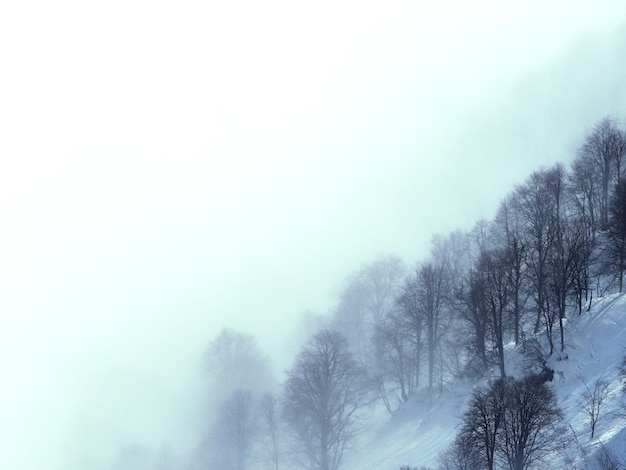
(169,169)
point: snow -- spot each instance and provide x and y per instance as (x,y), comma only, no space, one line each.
(595,347)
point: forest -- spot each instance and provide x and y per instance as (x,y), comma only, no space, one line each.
(556,243)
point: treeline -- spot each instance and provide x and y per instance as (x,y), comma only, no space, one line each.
(556,241)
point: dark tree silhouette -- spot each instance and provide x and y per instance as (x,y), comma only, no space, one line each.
(430,281)
(616,233)
(531,422)
(398,348)
(493,270)
(364,302)
(483,421)
(535,208)
(514,422)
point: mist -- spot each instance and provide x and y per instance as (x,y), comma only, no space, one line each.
(170,170)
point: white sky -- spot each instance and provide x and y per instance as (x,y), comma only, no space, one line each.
(170,167)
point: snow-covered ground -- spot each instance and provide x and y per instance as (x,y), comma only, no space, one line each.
(595,348)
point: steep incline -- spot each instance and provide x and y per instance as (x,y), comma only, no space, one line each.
(595,348)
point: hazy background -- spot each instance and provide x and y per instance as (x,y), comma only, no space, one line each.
(172,167)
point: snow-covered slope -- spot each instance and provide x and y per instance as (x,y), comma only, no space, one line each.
(595,348)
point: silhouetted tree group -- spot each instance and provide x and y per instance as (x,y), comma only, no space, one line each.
(509,424)
(557,239)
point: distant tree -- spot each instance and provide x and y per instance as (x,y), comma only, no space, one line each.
(271,427)
(622,374)
(585,192)
(567,263)
(381,280)
(605,147)
(138,457)
(411,321)
(235,432)
(237,371)
(323,394)
(454,253)
(493,270)
(366,299)
(469,304)
(616,233)
(398,350)
(480,238)
(234,361)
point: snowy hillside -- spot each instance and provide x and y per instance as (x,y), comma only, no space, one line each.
(595,348)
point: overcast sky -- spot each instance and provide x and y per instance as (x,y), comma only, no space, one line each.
(172,167)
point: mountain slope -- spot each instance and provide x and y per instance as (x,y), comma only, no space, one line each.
(595,343)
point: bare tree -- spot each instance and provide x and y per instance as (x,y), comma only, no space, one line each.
(398,346)
(567,255)
(535,208)
(462,454)
(233,361)
(582,197)
(323,394)
(584,191)
(593,400)
(556,245)
(535,355)
(606,460)
(514,422)
(605,147)
(364,302)
(508,235)
(469,304)
(271,427)
(482,423)
(431,284)
(531,423)
(411,320)
(616,233)
(235,432)
(454,253)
